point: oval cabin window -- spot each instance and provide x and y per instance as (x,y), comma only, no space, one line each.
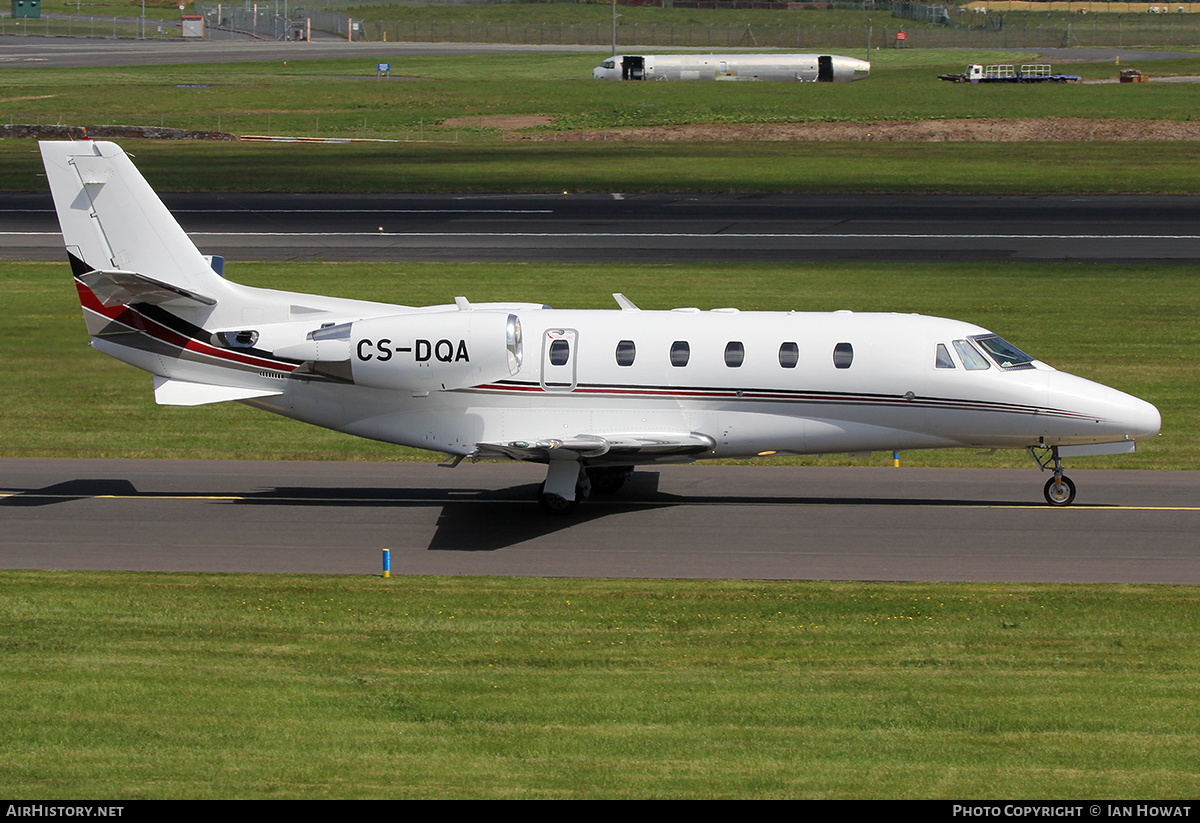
(626,351)
(843,355)
(735,354)
(681,352)
(789,355)
(560,352)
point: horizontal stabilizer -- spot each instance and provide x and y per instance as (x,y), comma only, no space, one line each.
(585,446)
(123,288)
(168,392)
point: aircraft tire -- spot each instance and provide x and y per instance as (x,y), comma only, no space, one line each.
(1060,494)
(608,480)
(555,504)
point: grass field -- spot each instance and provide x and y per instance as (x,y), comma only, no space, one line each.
(345,98)
(1129,327)
(123,686)
(963,168)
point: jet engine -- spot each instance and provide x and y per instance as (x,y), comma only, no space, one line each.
(419,352)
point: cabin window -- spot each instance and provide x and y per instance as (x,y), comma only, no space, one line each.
(1006,355)
(681,352)
(735,353)
(560,352)
(789,355)
(843,355)
(972,360)
(944,361)
(626,351)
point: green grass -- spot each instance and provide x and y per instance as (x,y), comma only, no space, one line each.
(1066,168)
(127,686)
(1131,327)
(345,98)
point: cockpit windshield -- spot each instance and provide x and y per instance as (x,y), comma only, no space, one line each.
(609,64)
(1005,354)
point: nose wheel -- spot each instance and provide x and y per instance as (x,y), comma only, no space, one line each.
(1059,491)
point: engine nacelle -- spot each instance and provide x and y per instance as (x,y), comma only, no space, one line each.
(436,351)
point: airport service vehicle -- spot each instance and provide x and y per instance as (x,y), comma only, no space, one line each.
(590,394)
(1028,73)
(809,68)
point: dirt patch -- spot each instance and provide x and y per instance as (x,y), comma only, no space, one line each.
(48,132)
(503,122)
(1059,129)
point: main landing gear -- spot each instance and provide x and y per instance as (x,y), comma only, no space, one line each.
(1059,490)
(557,497)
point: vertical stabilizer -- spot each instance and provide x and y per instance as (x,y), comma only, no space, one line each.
(112,220)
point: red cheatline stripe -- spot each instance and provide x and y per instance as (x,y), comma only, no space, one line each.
(785,396)
(135,320)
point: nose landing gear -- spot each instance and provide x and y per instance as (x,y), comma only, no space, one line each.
(1059,489)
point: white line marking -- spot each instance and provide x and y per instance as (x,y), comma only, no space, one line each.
(665,235)
(694,235)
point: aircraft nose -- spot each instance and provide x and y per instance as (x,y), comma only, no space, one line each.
(1141,419)
(1112,412)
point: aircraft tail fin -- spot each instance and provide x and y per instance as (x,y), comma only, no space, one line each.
(115,226)
(149,297)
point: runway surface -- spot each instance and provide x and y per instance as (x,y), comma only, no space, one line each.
(78,52)
(744,522)
(621,228)
(71,52)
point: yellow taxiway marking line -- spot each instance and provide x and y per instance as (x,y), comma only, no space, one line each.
(668,502)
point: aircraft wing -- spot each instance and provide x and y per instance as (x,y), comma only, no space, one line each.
(635,446)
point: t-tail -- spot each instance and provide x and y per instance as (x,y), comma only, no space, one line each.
(151,299)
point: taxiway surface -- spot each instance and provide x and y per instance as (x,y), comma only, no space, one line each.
(760,522)
(647,228)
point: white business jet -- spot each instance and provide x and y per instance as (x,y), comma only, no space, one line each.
(591,394)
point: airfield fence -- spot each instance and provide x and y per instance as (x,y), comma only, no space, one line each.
(87,25)
(969,30)
(1177,31)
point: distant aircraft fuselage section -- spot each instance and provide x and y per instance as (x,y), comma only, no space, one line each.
(810,68)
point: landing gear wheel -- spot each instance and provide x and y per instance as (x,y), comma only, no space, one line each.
(555,504)
(609,479)
(1059,492)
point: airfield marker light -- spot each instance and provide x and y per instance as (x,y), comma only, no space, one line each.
(895,459)
(387,563)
